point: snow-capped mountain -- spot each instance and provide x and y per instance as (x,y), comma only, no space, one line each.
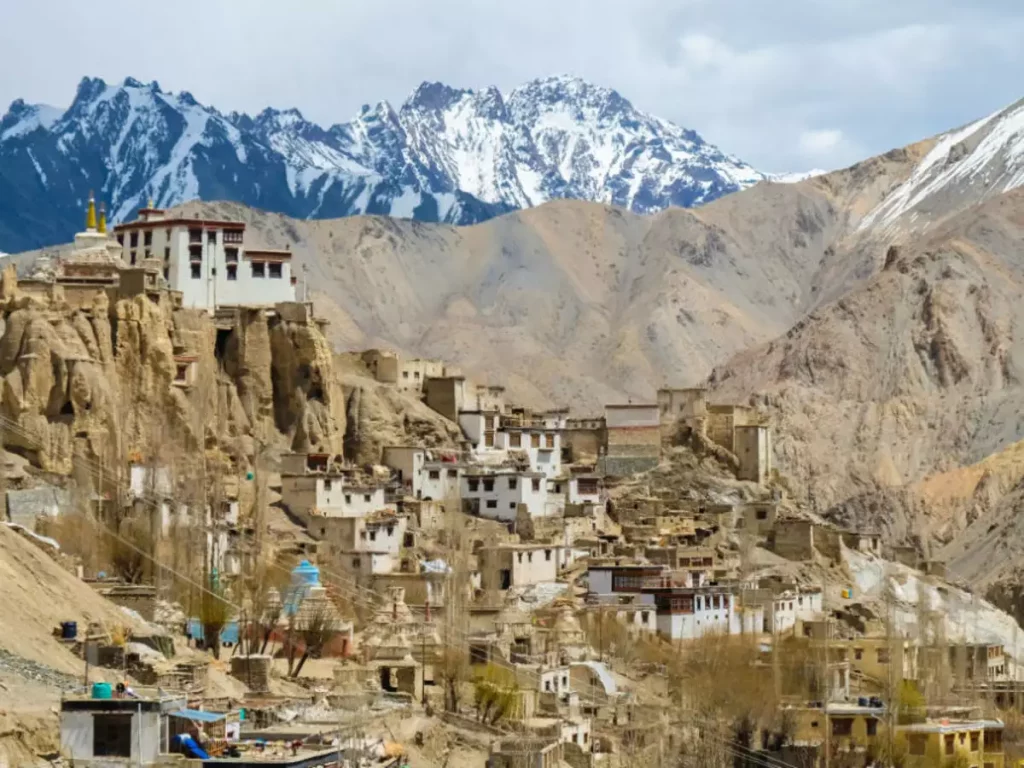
(447,154)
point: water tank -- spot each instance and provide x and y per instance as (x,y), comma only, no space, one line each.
(69,630)
(305,574)
(101,691)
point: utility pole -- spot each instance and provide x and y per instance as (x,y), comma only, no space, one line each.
(828,680)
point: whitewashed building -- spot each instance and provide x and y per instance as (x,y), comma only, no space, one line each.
(424,475)
(207,260)
(791,606)
(498,495)
(518,565)
(330,494)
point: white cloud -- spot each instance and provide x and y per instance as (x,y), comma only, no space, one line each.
(819,143)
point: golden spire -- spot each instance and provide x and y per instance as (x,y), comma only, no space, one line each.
(150,203)
(103,219)
(90,215)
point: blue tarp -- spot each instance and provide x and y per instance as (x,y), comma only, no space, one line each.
(229,634)
(199,715)
(192,749)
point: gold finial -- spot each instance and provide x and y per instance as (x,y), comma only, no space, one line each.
(90,214)
(103,218)
(150,203)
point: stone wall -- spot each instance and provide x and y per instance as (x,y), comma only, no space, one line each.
(253,670)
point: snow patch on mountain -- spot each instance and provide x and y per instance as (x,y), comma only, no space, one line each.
(987,154)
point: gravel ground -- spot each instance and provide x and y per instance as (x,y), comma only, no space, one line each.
(39,673)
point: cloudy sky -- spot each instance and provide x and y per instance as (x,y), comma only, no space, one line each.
(783,84)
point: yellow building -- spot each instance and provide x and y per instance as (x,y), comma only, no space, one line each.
(854,729)
(974,744)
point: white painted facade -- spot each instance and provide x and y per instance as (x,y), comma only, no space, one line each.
(708,612)
(518,565)
(584,490)
(207,262)
(789,607)
(367,563)
(440,480)
(330,495)
(543,447)
(555,680)
(499,494)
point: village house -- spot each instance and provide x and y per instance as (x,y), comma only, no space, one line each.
(691,613)
(498,495)
(632,438)
(389,367)
(752,444)
(102,730)
(783,611)
(584,438)
(207,260)
(686,406)
(429,474)
(722,421)
(313,486)
(975,742)
(371,544)
(518,565)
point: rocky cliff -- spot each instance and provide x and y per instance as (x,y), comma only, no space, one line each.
(102,377)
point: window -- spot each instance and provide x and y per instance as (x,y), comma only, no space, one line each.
(211,237)
(883,655)
(950,743)
(356,562)
(529,557)
(259,269)
(195,252)
(132,258)
(348,498)
(373,535)
(644,616)
(366,497)
(975,739)
(474,485)
(167,273)
(434,474)
(535,484)
(547,685)
(549,440)
(415,374)
(181,373)
(275,271)
(547,555)
(112,735)
(232,271)
(842,726)
(232,236)
(492,503)
(575,736)
(535,440)
(133,239)
(168,233)
(519,557)
(858,653)
(120,239)
(453,473)
(230,255)
(196,270)
(488,485)
(917,744)
(167,254)
(327,485)
(147,238)
(762,514)
(872,727)
(515,440)
(512,483)
(195,236)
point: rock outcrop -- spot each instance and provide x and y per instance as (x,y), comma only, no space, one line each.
(104,378)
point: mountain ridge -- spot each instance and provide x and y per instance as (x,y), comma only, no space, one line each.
(446,154)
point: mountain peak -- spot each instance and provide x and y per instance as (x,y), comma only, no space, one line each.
(448,154)
(434,96)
